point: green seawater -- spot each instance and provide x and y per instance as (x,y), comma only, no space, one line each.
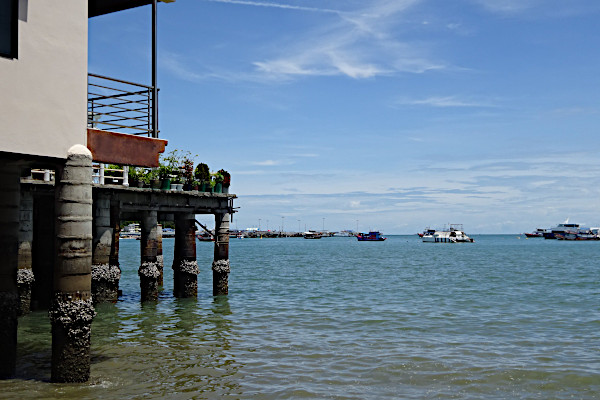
(501,318)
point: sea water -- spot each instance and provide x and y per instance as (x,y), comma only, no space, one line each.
(502,318)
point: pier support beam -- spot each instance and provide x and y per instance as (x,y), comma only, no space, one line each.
(72,309)
(9,242)
(25,276)
(185,265)
(105,276)
(220,265)
(149,272)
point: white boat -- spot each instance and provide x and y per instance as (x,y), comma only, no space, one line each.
(453,235)
(312,235)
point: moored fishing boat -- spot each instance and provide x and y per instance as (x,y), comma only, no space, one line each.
(453,235)
(372,236)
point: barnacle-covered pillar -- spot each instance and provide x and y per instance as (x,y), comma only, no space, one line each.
(149,272)
(185,265)
(9,241)
(105,276)
(220,265)
(72,311)
(159,254)
(25,276)
(115,223)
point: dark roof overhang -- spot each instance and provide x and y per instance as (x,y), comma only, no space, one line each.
(101,7)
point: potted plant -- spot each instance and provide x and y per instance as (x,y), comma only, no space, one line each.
(134,176)
(187,171)
(226,180)
(145,177)
(154,178)
(218,179)
(202,175)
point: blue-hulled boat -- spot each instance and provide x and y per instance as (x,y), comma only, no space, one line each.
(373,236)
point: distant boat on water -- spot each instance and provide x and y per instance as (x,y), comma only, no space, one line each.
(312,235)
(372,236)
(453,235)
(539,232)
(427,231)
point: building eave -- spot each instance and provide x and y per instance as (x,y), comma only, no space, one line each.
(101,7)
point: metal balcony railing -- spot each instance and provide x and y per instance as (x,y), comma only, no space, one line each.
(120,106)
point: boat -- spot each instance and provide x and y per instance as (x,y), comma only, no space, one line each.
(205,237)
(427,231)
(312,235)
(453,235)
(580,234)
(372,236)
(539,232)
(561,230)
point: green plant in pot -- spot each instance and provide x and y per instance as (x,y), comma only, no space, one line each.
(218,178)
(226,180)
(202,175)
(154,178)
(145,177)
(187,171)
(135,177)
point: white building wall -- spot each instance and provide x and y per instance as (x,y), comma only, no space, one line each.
(43,93)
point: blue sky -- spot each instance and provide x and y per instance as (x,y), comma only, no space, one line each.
(396,114)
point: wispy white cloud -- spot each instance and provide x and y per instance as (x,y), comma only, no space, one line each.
(268,163)
(443,101)
(276,5)
(358,45)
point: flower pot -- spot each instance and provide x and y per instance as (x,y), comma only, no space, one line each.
(218,187)
(155,184)
(225,189)
(140,184)
(166,184)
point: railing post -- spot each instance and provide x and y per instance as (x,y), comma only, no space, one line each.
(101,173)
(46,175)
(126,175)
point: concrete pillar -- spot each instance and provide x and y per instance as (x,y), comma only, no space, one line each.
(72,310)
(159,255)
(9,242)
(220,265)
(105,277)
(43,251)
(148,271)
(25,276)
(115,223)
(185,265)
